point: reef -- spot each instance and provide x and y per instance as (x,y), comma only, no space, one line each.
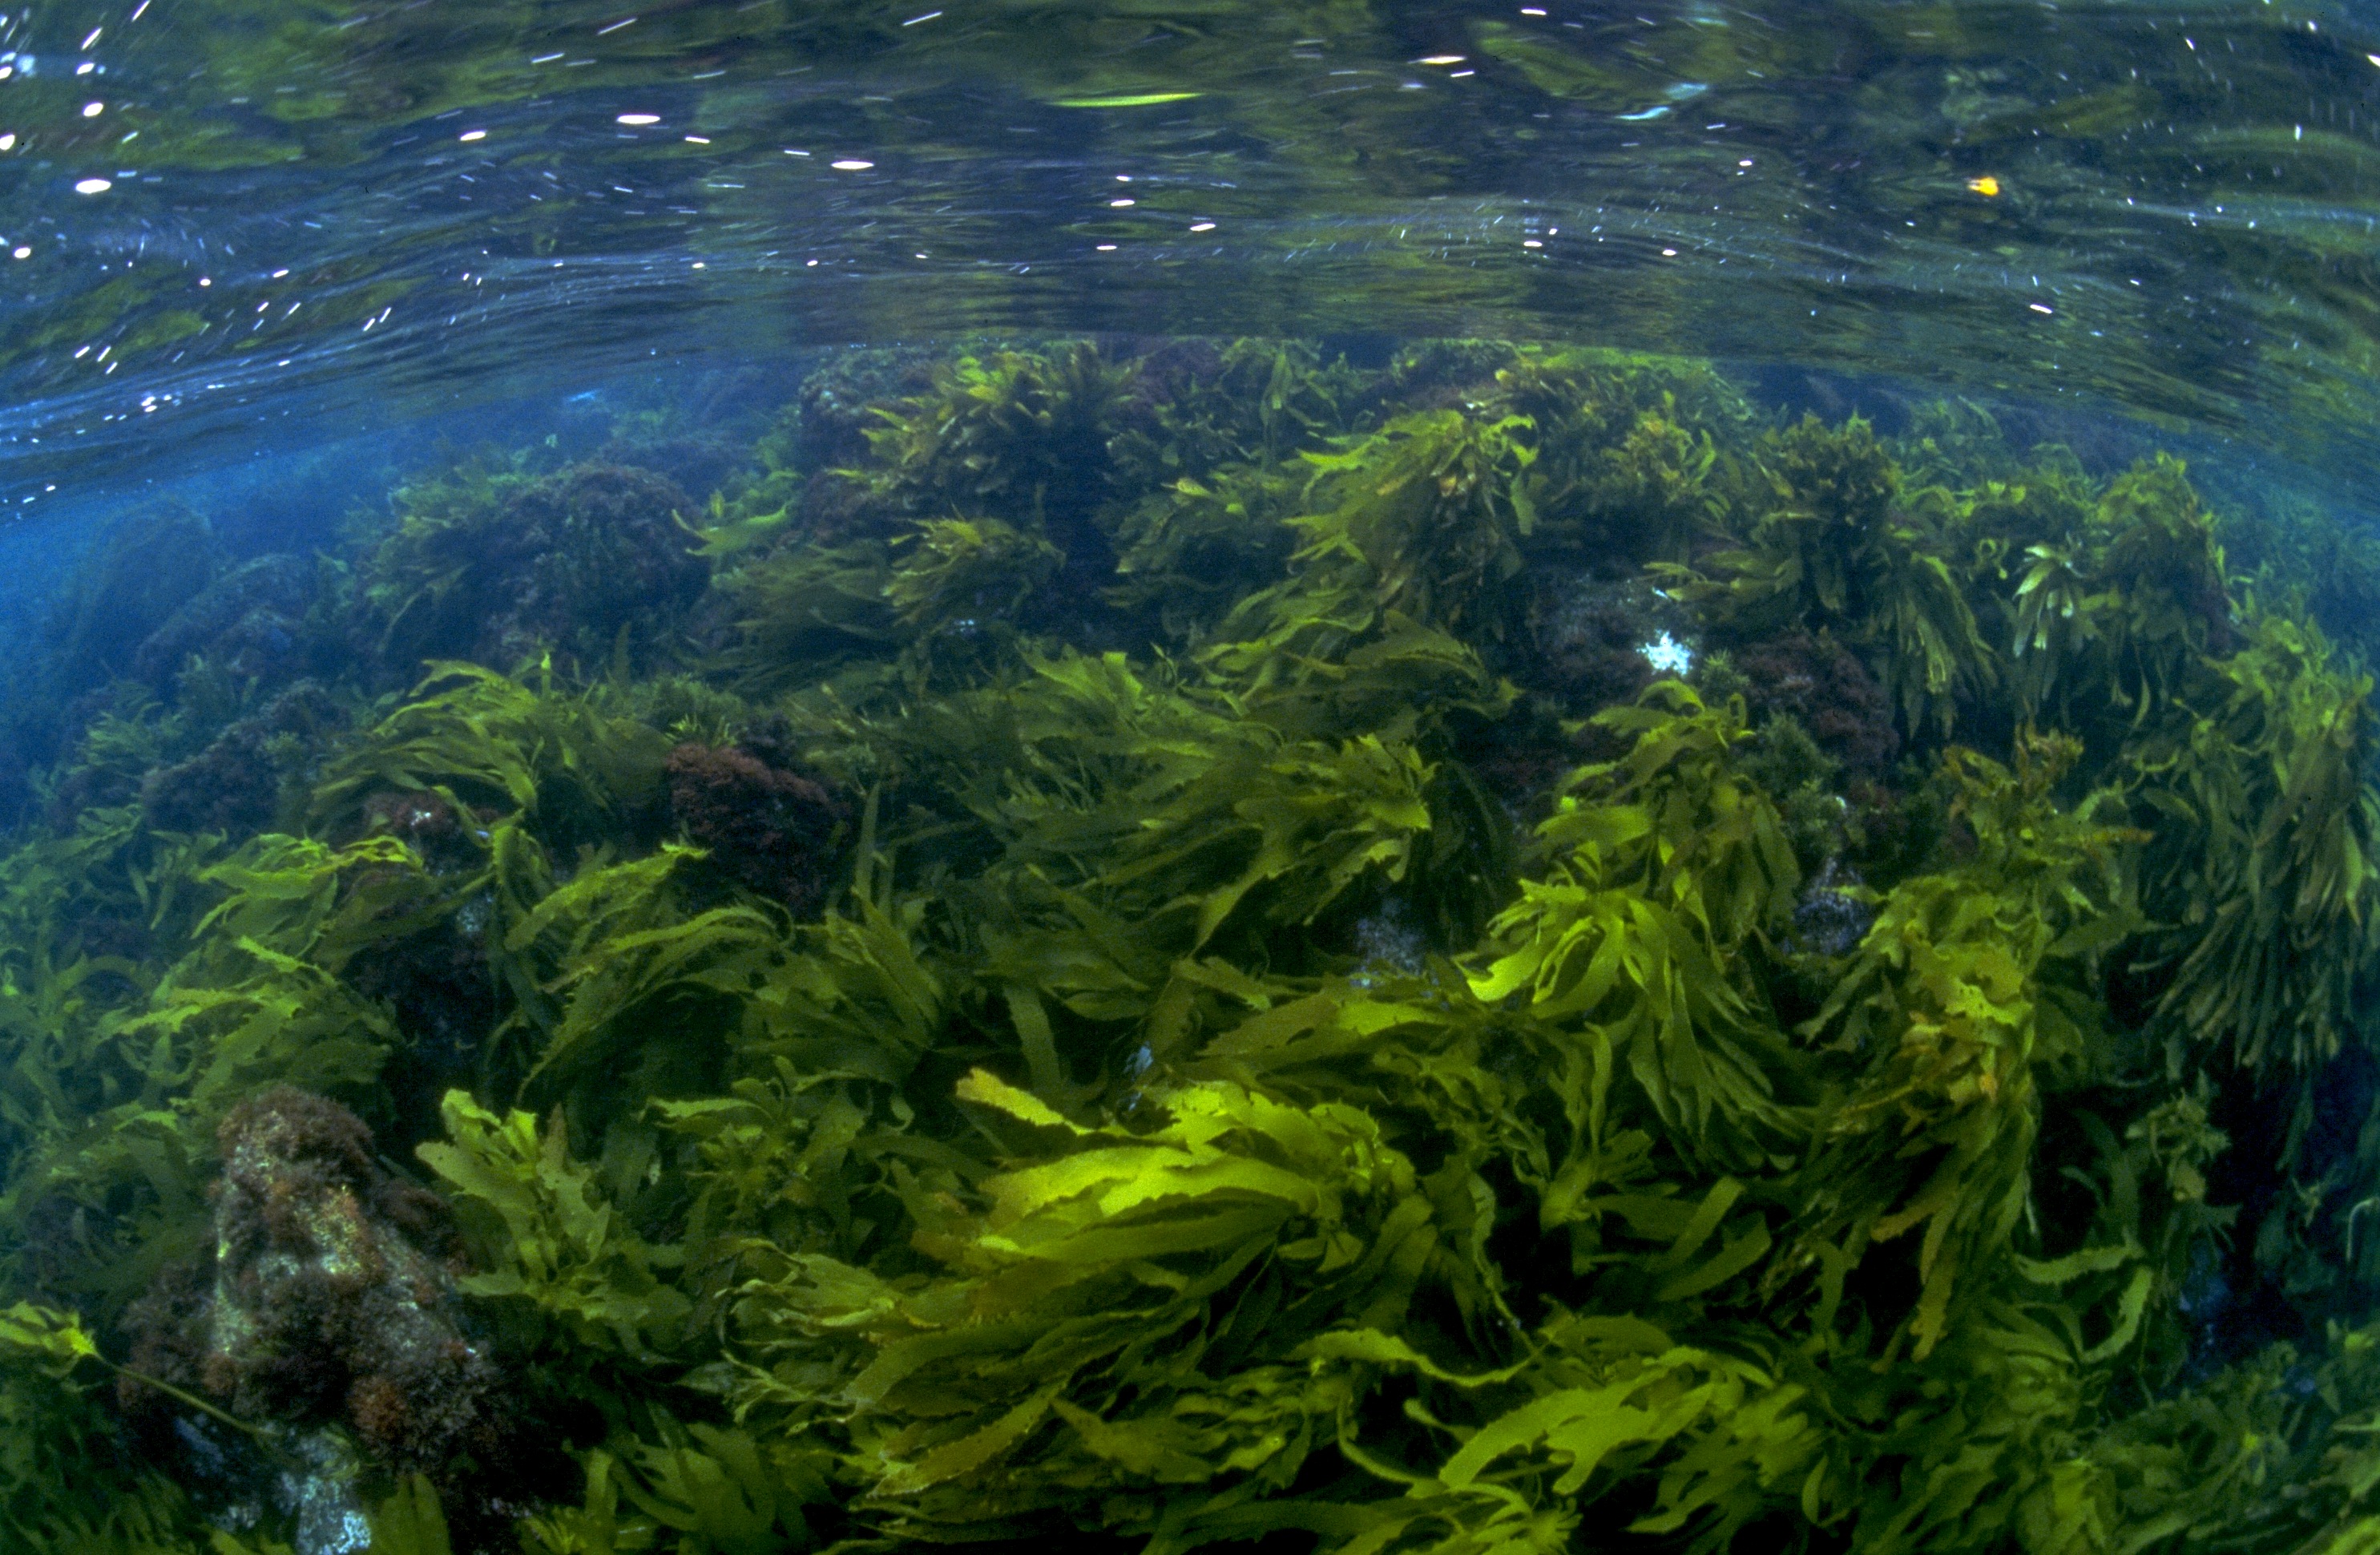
(498,566)
(242,779)
(1461,948)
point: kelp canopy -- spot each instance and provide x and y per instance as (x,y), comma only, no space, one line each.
(1150,947)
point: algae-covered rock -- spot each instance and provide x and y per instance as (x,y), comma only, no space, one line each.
(591,560)
(1825,686)
(146,569)
(328,1299)
(247,774)
(772,831)
(251,622)
(602,550)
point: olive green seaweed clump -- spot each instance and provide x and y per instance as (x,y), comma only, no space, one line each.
(1145,948)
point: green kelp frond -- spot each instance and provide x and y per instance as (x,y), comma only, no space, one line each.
(1285,835)
(307,899)
(804,612)
(1332,661)
(612,954)
(1021,436)
(127,1152)
(967,589)
(700,1488)
(1425,515)
(1629,452)
(1664,868)
(547,1236)
(476,738)
(2131,609)
(59,1434)
(1834,547)
(957,571)
(1122,1318)
(1183,818)
(1608,1401)
(1177,807)
(1968,987)
(1184,1323)
(1187,553)
(2263,867)
(1253,402)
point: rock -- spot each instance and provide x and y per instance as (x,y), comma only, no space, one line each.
(1823,686)
(768,829)
(251,621)
(1832,918)
(235,785)
(328,1303)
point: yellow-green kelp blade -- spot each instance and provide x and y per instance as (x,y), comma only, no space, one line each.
(1127,100)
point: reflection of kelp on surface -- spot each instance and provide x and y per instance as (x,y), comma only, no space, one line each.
(1141,959)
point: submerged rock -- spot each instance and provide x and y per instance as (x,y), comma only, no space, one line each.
(1834,914)
(1600,643)
(590,562)
(601,551)
(251,621)
(235,784)
(1823,685)
(768,829)
(328,1302)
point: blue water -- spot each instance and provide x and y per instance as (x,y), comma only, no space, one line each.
(339,220)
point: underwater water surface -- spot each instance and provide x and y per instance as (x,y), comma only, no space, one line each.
(1337,778)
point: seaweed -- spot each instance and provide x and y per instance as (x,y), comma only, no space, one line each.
(1835,548)
(1018,436)
(496,565)
(1469,948)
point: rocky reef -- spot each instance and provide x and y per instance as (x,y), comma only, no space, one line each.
(1458,947)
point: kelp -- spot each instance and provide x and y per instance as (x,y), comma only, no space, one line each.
(1835,547)
(1421,520)
(1970,984)
(1259,1047)
(1631,469)
(1665,870)
(481,741)
(1188,554)
(2129,604)
(2268,780)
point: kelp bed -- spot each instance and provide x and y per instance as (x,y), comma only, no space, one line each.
(1152,947)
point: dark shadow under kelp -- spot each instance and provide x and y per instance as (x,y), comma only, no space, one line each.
(1153,944)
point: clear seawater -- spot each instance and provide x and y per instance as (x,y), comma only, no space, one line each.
(311,225)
